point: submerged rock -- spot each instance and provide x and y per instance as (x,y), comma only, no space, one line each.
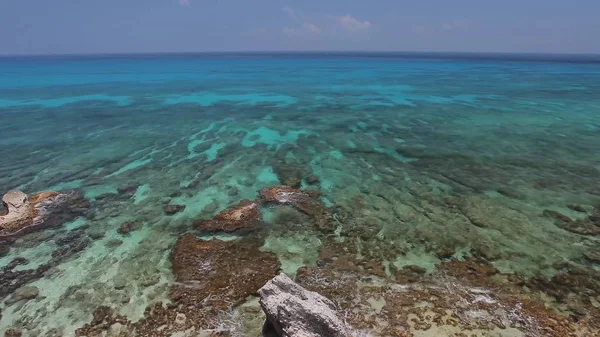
(13,333)
(293,311)
(313,180)
(592,256)
(127,189)
(173,209)
(245,215)
(304,201)
(24,293)
(129,226)
(96,233)
(445,252)
(233,191)
(290,174)
(46,209)
(70,243)
(4,250)
(576,208)
(113,243)
(33,239)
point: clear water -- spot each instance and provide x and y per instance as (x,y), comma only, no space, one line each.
(416,148)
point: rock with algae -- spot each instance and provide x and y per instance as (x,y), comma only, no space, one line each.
(305,201)
(293,311)
(229,271)
(587,226)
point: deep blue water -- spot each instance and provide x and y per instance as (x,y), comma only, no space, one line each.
(413,136)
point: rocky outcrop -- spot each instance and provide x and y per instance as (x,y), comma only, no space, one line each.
(244,216)
(305,201)
(19,210)
(27,213)
(293,311)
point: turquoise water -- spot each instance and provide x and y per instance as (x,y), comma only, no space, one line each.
(424,151)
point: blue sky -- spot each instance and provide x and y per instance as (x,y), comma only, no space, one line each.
(124,26)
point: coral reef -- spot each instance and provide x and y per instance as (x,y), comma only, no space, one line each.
(245,216)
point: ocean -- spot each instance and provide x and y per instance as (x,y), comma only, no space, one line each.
(431,169)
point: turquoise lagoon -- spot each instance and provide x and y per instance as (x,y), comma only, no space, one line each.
(427,151)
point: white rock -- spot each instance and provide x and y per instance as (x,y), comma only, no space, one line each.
(293,311)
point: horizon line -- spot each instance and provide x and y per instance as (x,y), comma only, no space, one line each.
(264,52)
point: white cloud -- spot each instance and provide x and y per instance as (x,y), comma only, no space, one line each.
(353,24)
(312,28)
(446,26)
(311,25)
(290,12)
(184,3)
(300,25)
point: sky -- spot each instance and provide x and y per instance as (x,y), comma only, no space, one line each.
(142,26)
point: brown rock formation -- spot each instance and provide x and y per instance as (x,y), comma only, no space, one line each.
(245,215)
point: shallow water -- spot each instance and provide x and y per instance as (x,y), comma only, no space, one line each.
(421,153)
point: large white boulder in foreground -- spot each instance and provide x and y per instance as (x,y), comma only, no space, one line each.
(293,311)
